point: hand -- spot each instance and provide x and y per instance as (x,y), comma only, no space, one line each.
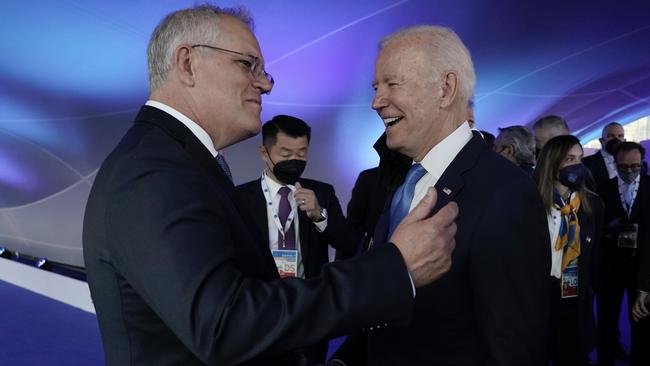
(307,202)
(641,306)
(426,243)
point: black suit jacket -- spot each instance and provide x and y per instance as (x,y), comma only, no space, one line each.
(491,308)
(313,244)
(613,256)
(179,277)
(367,201)
(598,169)
(591,252)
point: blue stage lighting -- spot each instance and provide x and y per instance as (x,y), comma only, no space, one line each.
(43,264)
(5,253)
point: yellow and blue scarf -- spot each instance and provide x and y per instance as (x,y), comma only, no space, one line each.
(569,235)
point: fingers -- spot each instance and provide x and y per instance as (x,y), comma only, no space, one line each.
(640,309)
(307,201)
(643,306)
(636,312)
(424,207)
(446,215)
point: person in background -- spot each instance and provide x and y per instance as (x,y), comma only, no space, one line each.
(517,144)
(602,164)
(546,128)
(298,217)
(366,204)
(626,239)
(575,217)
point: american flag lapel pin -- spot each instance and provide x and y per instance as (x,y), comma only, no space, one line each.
(447,191)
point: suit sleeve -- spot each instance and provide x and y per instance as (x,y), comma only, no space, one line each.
(643,277)
(173,242)
(509,269)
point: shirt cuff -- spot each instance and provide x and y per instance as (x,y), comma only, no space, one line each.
(321,226)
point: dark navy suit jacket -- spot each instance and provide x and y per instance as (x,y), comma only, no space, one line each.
(492,307)
(178,275)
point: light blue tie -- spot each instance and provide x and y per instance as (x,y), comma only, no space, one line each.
(401,203)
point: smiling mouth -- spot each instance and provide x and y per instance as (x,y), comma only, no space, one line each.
(392,121)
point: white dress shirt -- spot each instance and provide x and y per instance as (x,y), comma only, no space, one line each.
(628,188)
(437,160)
(610,163)
(554,221)
(272,210)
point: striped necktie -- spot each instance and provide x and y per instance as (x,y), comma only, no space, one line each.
(224,166)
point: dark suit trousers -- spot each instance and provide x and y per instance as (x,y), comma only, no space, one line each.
(564,345)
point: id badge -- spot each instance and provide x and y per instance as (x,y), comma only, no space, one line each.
(627,236)
(287,262)
(570,280)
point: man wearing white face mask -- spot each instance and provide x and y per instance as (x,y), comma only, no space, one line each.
(627,237)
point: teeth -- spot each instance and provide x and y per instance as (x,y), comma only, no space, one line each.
(390,120)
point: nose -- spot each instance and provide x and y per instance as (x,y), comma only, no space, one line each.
(263,84)
(379,101)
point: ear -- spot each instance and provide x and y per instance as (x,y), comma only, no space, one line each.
(510,151)
(262,152)
(183,65)
(449,84)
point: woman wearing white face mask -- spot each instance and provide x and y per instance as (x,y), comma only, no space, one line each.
(575,217)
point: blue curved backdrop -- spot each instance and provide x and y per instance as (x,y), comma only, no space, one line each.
(73,74)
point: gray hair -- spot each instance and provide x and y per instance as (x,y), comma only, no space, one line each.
(197,25)
(522,142)
(447,53)
(552,121)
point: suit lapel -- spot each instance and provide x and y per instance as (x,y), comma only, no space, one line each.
(451,182)
(202,156)
(448,186)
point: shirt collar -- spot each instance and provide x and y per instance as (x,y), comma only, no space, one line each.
(621,182)
(274,186)
(440,156)
(607,156)
(197,130)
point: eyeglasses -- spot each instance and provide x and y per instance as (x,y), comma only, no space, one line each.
(632,167)
(251,62)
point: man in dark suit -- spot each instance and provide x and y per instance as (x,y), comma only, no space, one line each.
(177,272)
(366,203)
(492,307)
(546,128)
(627,237)
(317,216)
(602,164)
(517,144)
